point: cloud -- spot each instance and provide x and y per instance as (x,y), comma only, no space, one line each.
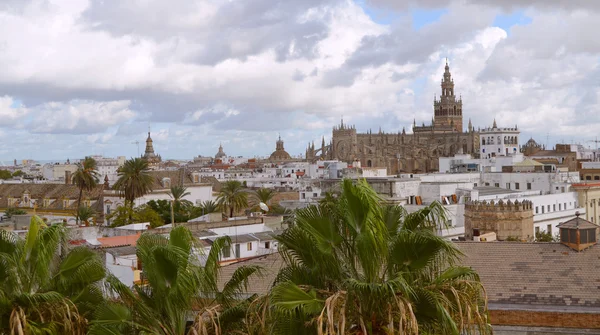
(79,117)
(92,75)
(11,111)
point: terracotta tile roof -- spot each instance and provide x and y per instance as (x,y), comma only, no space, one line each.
(176,176)
(535,274)
(117,241)
(54,192)
(270,264)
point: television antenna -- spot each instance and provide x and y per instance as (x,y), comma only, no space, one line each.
(596,152)
(138,146)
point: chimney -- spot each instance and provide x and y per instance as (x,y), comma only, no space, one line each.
(68,177)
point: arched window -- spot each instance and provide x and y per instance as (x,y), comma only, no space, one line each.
(369,163)
(483,141)
(505,140)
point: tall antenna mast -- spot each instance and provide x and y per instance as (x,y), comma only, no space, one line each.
(138,147)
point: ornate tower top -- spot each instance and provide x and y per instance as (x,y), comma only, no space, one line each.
(220,153)
(149,147)
(448,109)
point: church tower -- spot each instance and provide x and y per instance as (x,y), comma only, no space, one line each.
(448,109)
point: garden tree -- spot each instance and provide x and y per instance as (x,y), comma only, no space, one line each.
(125,215)
(134,181)
(175,287)
(45,288)
(543,236)
(86,179)
(177,193)
(14,211)
(18,173)
(163,208)
(209,206)
(232,197)
(264,195)
(354,266)
(85,213)
(147,214)
(5,174)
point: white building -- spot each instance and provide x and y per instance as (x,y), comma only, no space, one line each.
(108,167)
(499,141)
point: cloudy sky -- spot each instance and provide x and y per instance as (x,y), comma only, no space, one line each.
(81,77)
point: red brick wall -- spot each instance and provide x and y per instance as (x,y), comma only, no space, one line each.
(545,319)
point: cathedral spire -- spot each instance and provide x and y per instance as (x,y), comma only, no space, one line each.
(494,126)
(470,125)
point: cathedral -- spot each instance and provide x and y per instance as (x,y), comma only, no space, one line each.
(416,152)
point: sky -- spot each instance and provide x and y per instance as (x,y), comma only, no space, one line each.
(82,77)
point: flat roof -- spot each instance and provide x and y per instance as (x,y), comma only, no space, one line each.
(492,190)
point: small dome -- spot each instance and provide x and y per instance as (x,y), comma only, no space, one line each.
(220,154)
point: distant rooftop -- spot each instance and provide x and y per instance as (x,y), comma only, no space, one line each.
(492,190)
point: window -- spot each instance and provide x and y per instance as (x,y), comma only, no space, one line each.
(226,252)
(249,246)
(516,186)
(560,207)
(475,185)
(543,210)
(497,184)
(267,245)
(537,230)
(508,186)
(487,184)
(548,208)
(529,186)
(588,177)
(314,195)
(537,209)
(554,208)
(549,229)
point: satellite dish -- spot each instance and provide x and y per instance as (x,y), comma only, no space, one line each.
(263,206)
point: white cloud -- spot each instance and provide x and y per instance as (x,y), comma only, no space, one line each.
(247,70)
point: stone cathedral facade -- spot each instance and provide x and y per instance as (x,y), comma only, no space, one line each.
(402,152)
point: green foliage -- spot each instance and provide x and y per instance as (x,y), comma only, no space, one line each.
(512,239)
(264,195)
(232,197)
(209,206)
(353,265)
(5,174)
(121,216)
(18,173)
(147,214)
(86,179)
(85,214)
(134,181)
(14,211)
(46,289)
(174,285)
(543,236)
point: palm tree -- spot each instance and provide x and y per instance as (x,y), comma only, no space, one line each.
(209,206)
(85,214)
(45,288)
(86,178)
(264,195)
(232,197)
(176,289)
(354,266)
(134,181)
(177,193)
